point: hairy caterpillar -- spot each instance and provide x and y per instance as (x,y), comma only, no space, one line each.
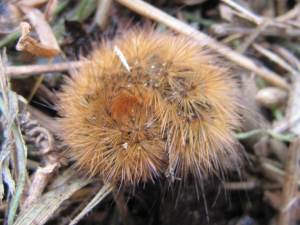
(160,104)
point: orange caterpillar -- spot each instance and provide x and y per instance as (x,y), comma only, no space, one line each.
(158,104)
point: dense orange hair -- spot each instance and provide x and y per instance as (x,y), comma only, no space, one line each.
(161,105)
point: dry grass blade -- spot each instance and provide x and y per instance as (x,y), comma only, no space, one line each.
(245,12)
(102,193)
(286,125)
(294,105)
(40,211)
(84,9)
(288,56)
(9,108)
(292,120)
(282,137)
(290,14)
(246,185)
(21,165)
(150,11)
(290,186)
(9,38)
(275,58)
(274,173)
(251,38)
(6,147)
(5,171)
(257,19)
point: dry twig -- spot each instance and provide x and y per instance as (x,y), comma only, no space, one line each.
(102,13)
(290,185)
(152,12)
(275,58)
(244,12)
(39,182)
(23,71)
(50,9)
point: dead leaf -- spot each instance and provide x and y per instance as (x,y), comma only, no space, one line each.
(28,44)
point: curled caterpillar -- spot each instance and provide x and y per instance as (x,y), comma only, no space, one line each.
(160,104)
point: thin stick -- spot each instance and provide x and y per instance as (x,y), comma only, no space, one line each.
(36,86)
(247,13)
(290,14)
(102,193)
(290,185)
(274,57)
(39,183)
(102,13)
(257,19)
(152,12)
(246,185)
(224,29)
(251,38)
(22,71)
(288,56)
(286,125)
